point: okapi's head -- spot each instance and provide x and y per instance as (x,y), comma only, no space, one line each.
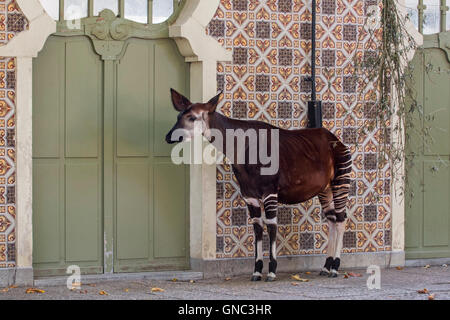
(191,117)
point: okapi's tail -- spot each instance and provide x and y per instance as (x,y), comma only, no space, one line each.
(340,185)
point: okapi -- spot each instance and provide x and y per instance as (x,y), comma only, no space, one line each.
(312,162)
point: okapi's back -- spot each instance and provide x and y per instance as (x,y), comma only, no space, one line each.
(310,160)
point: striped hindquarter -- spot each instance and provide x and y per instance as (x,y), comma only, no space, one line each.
(334,203)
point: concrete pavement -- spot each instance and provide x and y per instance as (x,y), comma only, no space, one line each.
(395,284)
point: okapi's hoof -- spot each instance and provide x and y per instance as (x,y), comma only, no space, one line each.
(256,278)
(333,274)
(271,277)
(324,273)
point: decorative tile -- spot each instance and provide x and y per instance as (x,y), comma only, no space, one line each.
(240,5)
(285,57)
(219,244)
(217,28)
(349,239)
(262,29)
(370,213)
(349,136)
(328,110)
(285,110)
(239,109)
(370,161)
(262,83)
(328,6)
(239,217)
(284,215)
(328,58)
(306,240)
(240,56)
(349,84)
(305,31)
(284,5)
(349,32)
(305,84)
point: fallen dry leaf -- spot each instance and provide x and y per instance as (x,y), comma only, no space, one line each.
(4,290)
(307,272)
(431,296)
(192,281)
(424,291)
(353,274)
(227,279)
(76,286)
(92,285)
(427,266)
(174,280)
(157,290)
(126,290)
(34,290)
(399,268)
(103,293)
(13,286)
(294,283)
(296,277)
(345,276)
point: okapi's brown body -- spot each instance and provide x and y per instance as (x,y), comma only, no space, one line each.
(312,162)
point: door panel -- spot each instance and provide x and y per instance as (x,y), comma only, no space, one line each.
(67,162)
(99,152)
(83,86)
(169,66)
(427,209)
(436,203)
(151,194)
(170,201)
(133,100)
(46,211)
(133,208)
(83,222)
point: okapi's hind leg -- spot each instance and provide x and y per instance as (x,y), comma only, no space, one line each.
(255,213)
(326,201)
(340,187)
(270,219)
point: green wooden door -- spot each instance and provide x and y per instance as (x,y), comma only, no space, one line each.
(151,199)
(427,208)
(106,196)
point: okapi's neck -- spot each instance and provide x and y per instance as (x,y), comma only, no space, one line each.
(222,123)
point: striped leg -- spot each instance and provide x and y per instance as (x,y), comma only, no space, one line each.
(326,201)
(270,219)
(255,213)
(340,187)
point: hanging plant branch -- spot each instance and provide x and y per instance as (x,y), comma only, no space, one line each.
(385,84)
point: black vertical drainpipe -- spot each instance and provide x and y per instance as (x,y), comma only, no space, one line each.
(314,107)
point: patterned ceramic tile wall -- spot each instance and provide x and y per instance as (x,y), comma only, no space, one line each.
(270,41)
(7,162)
(12,21)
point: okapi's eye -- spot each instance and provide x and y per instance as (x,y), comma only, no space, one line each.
(192,118)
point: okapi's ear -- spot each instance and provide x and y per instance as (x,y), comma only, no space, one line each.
(180,102)
(212,104)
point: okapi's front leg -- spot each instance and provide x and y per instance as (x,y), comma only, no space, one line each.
(270,219)
(255,213)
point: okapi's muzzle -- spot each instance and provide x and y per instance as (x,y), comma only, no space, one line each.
(169,139)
